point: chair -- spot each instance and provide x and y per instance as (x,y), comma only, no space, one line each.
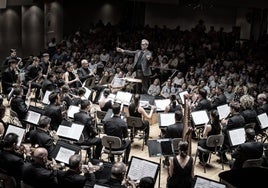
(24,185)
(99,123)
(135,123)
(7,181)
(88,148)
(215,141)
(252,163)
(112,145)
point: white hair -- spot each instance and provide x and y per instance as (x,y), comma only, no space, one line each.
(145,41)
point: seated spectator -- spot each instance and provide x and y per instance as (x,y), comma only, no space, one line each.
(154,88)
(251,149)
(38,173)
(73,177)
(41,137)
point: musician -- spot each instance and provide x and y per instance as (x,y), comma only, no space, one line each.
(105,103)
(34,74)
(45,63)
(49,83)
(136,110)
(202,102)
(211,128)
(70,78)
(18,104)
(84,72)
(13,56)
(73,177)
(41,137)
(173,105)
(38,173)
(12,160)
(251,149)
(118,83)
(234,120)
(76,100)
(10,77)
(141,63)
(220,98)
(53,111)
(115,126)
(89,130)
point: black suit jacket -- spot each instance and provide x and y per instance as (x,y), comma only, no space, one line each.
(18,105)
(72,179)
(203,104)
(245,151)
(9,77)
(39,177)
(12,164)
(54,112)
(83,74)
(43,139)
(89,130)
(115,126)
(47,85)
(249,115)
(174,131)
(219,100)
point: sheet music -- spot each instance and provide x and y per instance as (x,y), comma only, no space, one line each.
(124,97)
(99,186)
(64,154)
(33,117)
(263,120)
(142,168)
(72,110)
(181,94)
(88,92)
(166,119)
(46,97)
(200,117)
(73,132)
(118,82)
(223,110)
(237,136)
(17,130)
(161,104)
(205,183)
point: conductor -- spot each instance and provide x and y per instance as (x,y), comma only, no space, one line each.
(141,64)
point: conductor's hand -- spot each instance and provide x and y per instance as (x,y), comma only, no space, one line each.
(119,50)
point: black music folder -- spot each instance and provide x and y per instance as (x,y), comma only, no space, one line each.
(63,151)
(160,147)
(33,115)
(139,168)
(202,182)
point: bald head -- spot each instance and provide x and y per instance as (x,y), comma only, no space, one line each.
(118,170)
(40,155)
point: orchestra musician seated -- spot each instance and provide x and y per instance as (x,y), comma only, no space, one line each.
(41,136)
(73,177)
(118,83)
(104,102)
(13,157)
(40,172)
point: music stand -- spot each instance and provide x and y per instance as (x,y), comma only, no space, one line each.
(263,120)
(17,130)
(33,115)
(63,151)
(45,99)
(161,104)
(223,110)
(72,132)
(123,97)
(200,118)
(181,94)
(139,168)
(159,148)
